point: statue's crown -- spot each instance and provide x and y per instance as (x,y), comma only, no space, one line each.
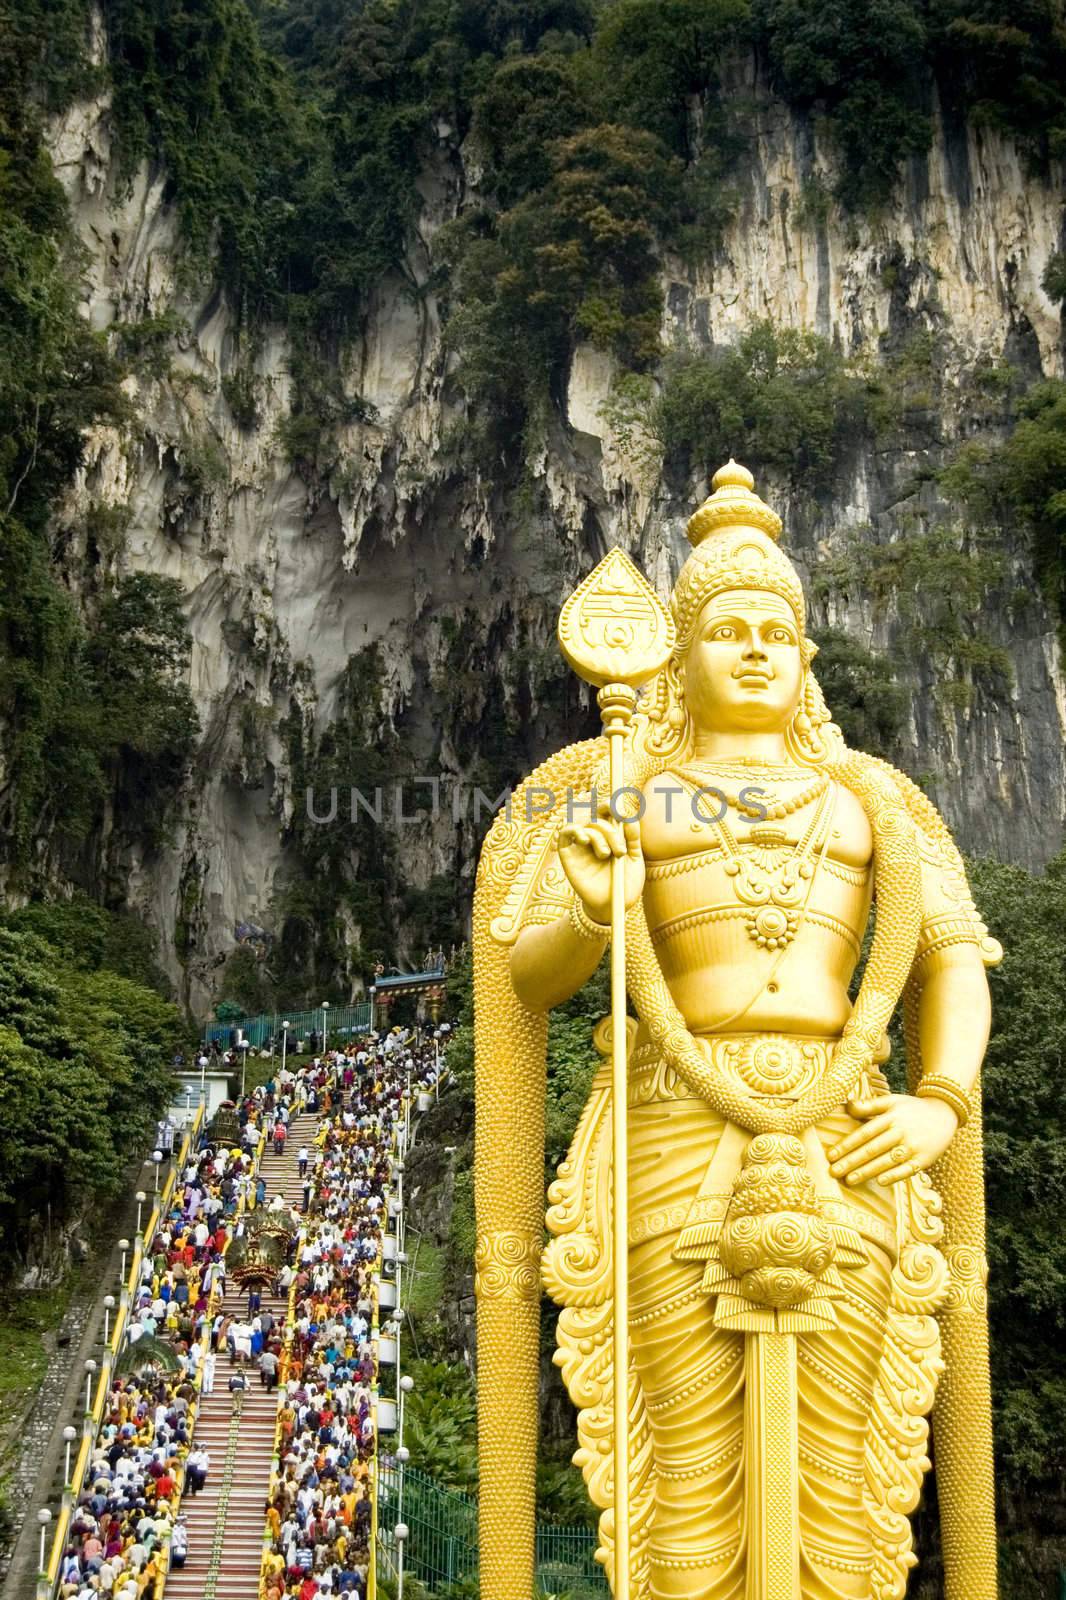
(735,536)
(734,504)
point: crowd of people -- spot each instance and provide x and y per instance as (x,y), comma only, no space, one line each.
(128,1509)
(319,1511)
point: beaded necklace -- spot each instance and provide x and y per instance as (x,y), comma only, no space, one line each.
(768,807)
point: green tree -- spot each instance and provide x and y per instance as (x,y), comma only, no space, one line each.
(656,64)
(1023,480)
(576,259)
(84,1072)
(528,104)
(1025,1139)
(864,64)
(1006,66)
(862,692)
(778,398)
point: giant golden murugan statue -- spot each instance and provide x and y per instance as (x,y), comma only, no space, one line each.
(805,1261)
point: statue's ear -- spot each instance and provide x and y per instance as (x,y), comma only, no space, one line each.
(808,651)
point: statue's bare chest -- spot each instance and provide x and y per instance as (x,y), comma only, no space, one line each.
(785,856)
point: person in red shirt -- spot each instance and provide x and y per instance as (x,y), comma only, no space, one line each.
(309,1588)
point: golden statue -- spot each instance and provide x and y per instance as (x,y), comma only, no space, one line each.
(797,1251)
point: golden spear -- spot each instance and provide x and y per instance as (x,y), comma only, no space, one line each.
(616,634)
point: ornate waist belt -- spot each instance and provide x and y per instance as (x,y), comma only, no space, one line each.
(776,1065)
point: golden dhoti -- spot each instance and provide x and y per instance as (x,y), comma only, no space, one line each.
(693,1373)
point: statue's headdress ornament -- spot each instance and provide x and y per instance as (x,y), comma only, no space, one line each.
(735,546)
(734,504)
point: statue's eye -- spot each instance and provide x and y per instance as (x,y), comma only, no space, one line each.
(724,630)
(780,636)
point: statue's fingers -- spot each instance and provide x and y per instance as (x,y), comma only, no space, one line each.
(869,1106)
(614,833)
(856,1140)
(601,847)
(879,1168)
(876,1146)
(897,1174)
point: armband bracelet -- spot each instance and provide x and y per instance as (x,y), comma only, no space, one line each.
(583,924)
(937,1087)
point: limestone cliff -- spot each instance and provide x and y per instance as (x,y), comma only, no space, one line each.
(387,569)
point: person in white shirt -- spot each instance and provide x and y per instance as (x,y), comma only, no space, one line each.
(196,1469)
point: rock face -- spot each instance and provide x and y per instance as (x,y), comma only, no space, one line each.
(386,566)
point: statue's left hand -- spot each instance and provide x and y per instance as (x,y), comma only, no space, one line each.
(900,1135)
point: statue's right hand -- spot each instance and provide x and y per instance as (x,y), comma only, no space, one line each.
(586,852)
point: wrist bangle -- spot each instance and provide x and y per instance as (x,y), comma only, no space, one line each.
(583,924)
(935,1086)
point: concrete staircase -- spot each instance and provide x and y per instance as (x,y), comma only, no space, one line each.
(229,1542)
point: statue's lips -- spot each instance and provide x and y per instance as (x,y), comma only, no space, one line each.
(753,680)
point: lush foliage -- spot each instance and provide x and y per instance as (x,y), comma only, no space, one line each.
(779,398)
(1023,482)
(82,712)
(576,259)
(934,581)
(85,1057)
(87,937)
(439,1423)
(861,691)
(1007,66)
(1026,1154)
(855,63)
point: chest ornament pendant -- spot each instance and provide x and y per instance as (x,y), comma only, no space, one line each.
(772,879)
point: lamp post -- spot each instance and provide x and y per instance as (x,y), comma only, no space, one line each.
(398,1174)
(69,1436)
(109,1306)
(203,1076)
(325,1008)
(406,1384)
(188,1104)
(243,1045)
(401,1261)
(124,1246)
(284,1043)
(157,1156)
(140,1197)
(90,1368)
(44,1517)
(436,1065)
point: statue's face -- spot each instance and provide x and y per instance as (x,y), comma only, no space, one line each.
(743,670)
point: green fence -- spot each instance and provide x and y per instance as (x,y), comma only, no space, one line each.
(442,1550)
(340,1021)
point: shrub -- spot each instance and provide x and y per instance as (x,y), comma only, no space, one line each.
(1023,481)
(778,398)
